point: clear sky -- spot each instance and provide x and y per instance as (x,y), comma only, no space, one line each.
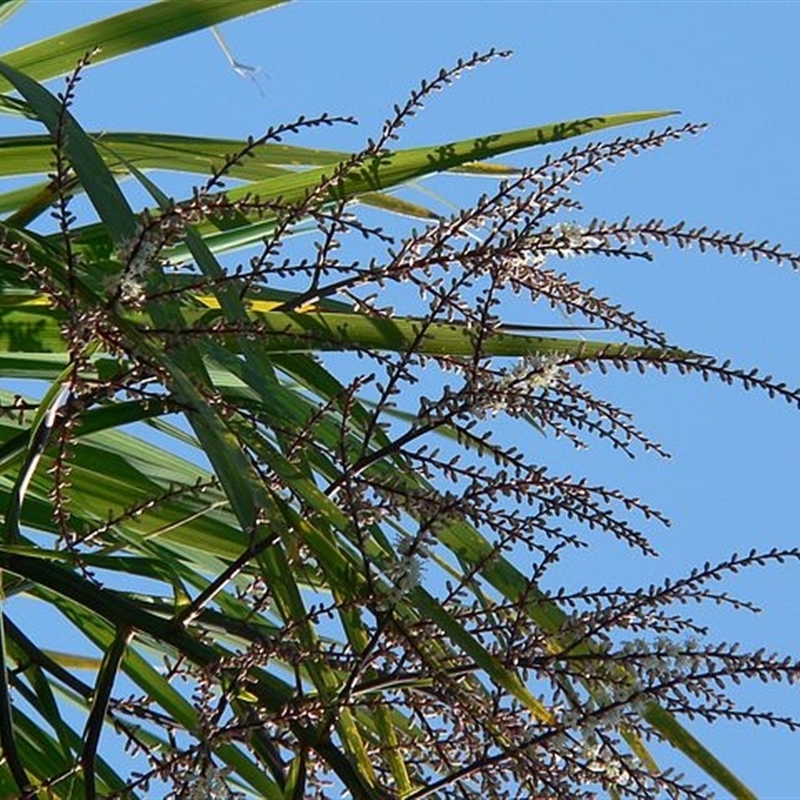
(733,481)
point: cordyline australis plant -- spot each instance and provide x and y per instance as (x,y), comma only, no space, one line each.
(346,597)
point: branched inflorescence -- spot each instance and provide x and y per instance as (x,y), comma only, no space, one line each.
(419,540)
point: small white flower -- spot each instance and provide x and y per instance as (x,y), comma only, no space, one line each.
(536,371)
(131,291)
(210,784)
(127,288)
(406,573)
(575,236)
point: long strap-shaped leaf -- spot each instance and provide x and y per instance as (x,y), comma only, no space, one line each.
(95,178)
(20,155)
(124,33)
(391,169)
(31,327)
(379,174)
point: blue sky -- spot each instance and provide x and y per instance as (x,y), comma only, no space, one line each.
(732,484)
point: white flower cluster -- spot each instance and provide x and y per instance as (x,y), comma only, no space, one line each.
(130,289)
(565,239)
(576,238)
(210,784)
(512,389)
(520,265)
(406,572)
(533,371)
(137,256)
(663,655)
(602,761)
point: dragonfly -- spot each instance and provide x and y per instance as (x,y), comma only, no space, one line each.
(240,69)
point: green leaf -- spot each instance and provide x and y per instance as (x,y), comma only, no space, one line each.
(124,33)
(392,169)
(669,727)
(95,177)
(8,8)
(379,173)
